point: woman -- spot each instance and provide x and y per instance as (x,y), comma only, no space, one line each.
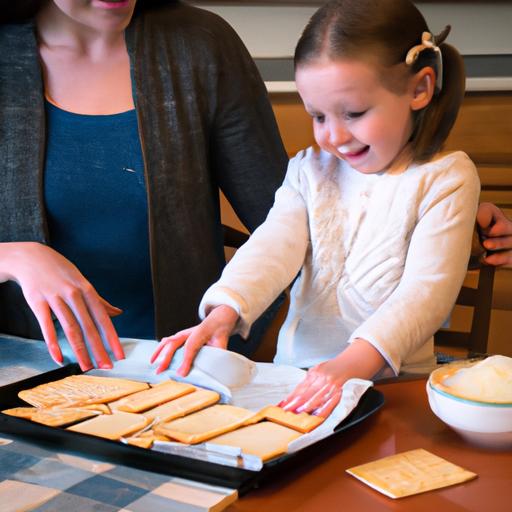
(119,120)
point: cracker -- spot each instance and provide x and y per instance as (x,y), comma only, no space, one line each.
(78,390)
(265,439)
(205,424)
(112,426)
(59,417)
(159,394)
(21,412)
(182,406)
(302,422)
(141,442)
(411,472)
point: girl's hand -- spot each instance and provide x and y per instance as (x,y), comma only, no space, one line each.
(496,228)
(51,284)
(214,330)
(320,392)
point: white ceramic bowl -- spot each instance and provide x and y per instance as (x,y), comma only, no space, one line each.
(486,424)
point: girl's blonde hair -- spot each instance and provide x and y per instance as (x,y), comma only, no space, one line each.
(386,30)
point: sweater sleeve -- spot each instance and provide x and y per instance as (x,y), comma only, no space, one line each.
(269,261)
(246,150)
(434,270)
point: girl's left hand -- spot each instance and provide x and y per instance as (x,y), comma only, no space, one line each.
(319,393)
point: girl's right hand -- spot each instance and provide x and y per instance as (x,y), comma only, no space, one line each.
(52,284)
(214,330)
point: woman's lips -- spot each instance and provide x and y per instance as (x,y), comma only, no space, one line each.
(113,4)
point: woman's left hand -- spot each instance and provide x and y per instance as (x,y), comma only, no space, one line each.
(319,393)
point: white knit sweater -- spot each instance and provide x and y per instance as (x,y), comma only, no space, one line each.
(379,257)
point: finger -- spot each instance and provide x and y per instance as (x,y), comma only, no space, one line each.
(102,323)
(485,215)
(182,335)
(499,259)
(299,397)
(168,354)
(90,332)
(499,243)
(72,331)
(42,312)
(193,345)
(326,409)
(317,399)
(111,310)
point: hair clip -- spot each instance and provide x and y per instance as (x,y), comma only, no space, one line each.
(427,41)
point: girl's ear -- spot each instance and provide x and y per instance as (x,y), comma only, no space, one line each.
(423,85)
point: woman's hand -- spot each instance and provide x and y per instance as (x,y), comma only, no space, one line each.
(214,330)
(51,284)
(321,390)
(496,230)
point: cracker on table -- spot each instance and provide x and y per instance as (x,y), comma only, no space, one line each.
(410,472)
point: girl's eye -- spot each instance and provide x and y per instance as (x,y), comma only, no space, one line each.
(354,115)
(318,118)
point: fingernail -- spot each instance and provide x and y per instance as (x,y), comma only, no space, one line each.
(56,361)
(106,366)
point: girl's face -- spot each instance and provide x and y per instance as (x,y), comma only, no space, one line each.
(98,15)
(354,116)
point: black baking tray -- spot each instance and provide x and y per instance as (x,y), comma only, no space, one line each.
(151,460)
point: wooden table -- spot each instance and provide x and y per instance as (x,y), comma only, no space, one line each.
(405,422)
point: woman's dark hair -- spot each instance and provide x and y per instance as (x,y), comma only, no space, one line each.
(18,11)
(386,30)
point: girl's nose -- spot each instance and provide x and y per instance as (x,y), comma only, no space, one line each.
(338,134)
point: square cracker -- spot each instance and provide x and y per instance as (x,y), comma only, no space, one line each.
(78,390)
(302,422)
(156,395)
(410,473)
(205,424)
(112,426)
(265,439)
(183,405)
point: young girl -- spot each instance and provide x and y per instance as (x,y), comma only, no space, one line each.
(377,223)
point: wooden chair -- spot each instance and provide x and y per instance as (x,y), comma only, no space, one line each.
(480,299)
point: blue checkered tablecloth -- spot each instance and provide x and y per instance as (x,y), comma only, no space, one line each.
(34,478)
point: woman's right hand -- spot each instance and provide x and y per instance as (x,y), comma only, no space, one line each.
(214,330)
(52,284)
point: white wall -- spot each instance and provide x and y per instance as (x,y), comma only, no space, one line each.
(272,31)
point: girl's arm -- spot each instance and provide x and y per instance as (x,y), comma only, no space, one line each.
(434,270)
(260,270)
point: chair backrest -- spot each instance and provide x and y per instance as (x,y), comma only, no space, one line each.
(480,299)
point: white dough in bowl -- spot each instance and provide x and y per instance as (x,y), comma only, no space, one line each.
(489,380)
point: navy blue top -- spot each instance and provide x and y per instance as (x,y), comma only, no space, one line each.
(96,205)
